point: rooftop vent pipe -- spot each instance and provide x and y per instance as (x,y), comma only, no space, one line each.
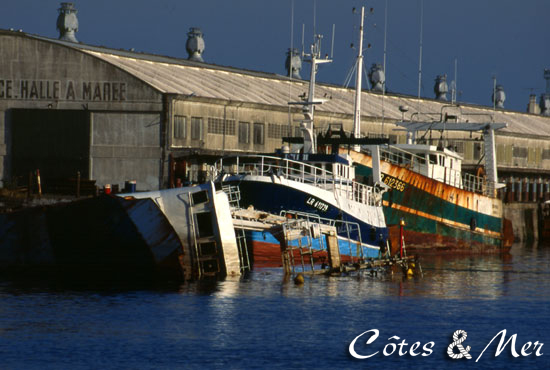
(441,88)
(293,61)
(545,105)
(499,96)
(67,23)
(195,44)
(377,77)
(532,107)
(545,98)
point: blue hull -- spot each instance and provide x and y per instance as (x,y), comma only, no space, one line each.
(274,198)
(346,248)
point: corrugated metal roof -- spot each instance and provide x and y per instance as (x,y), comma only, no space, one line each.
(179,76)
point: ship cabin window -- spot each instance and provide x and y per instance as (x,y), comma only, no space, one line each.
(328,167)
(433,159)
(338,170)
(451,165)
(204,224)
(421,159)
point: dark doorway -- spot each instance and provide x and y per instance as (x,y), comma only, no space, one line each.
(57,142)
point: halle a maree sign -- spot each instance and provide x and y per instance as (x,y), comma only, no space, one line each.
(63,90)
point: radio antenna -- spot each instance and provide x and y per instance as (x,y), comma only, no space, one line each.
(332,46)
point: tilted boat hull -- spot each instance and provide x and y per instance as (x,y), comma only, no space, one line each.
(439,217)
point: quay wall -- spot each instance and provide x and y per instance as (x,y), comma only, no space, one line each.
(525,219)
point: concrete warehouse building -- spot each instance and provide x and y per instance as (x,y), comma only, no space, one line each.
(118,115)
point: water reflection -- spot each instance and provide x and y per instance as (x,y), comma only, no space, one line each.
(522,272)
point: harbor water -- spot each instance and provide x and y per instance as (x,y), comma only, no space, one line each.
(264,321)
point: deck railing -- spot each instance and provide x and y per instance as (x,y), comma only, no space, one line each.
(260,165)
(450,176)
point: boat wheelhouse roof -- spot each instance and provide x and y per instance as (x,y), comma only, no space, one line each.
(427,149)
(298,157)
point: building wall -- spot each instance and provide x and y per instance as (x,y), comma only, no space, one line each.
(125,113)
(130,122)
(126,146)
(225,126)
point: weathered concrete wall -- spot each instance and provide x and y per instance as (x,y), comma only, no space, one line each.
(525,220)
(248,127)
(41,74)
(126,146)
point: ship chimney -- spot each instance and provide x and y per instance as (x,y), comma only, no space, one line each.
(532,107)
(293,61)
(441,88)
(499,97)
(67,23)
(195,44)
(377,77)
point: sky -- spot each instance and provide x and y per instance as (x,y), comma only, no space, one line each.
(503,40)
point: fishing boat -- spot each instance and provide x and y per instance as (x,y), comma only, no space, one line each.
(445,209)
(309,184)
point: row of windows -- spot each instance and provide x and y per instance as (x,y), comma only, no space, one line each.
(275,131)
(216,126)
(470,151)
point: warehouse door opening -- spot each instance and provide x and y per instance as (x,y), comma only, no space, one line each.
(55,142)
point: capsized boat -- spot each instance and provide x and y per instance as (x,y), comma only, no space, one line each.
(178,234)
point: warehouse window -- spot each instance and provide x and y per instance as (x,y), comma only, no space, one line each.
(180,127)
(230,127)
(244,132)
(258,133)
(478,151)
(196,128)
(275,131)
(217,126)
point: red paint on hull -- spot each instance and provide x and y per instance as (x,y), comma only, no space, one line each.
(269,255)
(426,243)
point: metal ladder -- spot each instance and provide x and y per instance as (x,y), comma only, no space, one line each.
(234,195)
(305,243)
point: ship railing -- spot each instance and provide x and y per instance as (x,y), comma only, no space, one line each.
(401,157)
(260,165)
(348,231)
(449,176)
(233,194)
(474,183)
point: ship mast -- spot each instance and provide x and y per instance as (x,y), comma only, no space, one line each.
(358,82)
(310,142)
(374,149)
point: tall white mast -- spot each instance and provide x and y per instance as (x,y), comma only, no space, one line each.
(310,142)
(358,81)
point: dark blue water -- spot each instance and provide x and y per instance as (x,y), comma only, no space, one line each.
(265,322)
